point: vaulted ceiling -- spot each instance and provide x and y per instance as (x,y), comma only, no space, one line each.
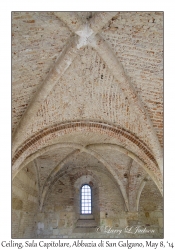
(87,91)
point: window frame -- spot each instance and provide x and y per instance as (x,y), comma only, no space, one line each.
(85,184)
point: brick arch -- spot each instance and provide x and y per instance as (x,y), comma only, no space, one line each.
(93,39)
(69,54)
(46,136)
(64,128)
(84,172)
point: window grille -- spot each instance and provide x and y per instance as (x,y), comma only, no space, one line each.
(86,199)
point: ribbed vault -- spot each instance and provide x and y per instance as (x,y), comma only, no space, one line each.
(82,100)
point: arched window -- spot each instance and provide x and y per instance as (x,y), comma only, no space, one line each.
(86,199)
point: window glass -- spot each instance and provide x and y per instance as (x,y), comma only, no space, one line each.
(86,200)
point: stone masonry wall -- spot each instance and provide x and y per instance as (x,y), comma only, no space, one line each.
(24,203)
(59,215)
(151,206)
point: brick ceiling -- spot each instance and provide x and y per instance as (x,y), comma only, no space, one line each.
(87,91)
